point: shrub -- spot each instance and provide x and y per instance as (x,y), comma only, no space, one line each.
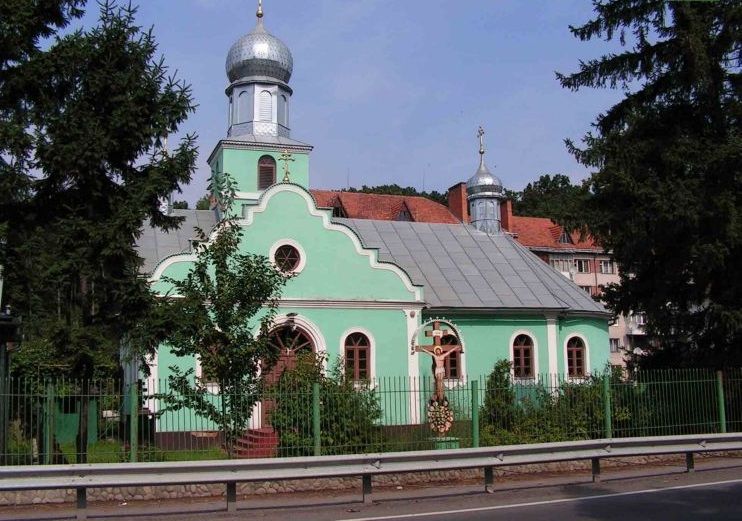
(349,412)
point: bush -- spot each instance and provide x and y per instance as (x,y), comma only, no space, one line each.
(349,412)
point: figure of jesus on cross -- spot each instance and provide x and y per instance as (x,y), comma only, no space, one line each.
(439,352)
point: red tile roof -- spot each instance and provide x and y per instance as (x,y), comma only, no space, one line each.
(542,232)
(357,205)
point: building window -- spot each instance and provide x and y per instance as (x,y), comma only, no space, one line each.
(640,319)
(285,104)
(582,265)
(575,357)
(561,265)
(287,258)
(523,356)
(452,363)
(565,238)
(607,267)
(614,344)
(266,172)
(587,289)
(266,106)
(243,107)
(357,356)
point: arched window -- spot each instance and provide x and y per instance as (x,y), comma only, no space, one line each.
(266,172)
(243,107)
(452,363)
(266,106)
(285,121)
(523,356)
(575,357)
(357,356)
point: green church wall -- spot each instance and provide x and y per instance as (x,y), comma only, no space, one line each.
(334,269)
(594,332)
(242,165)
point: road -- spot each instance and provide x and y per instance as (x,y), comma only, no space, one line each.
(714,491)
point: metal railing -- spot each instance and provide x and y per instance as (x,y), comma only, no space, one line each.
(83,477)
(68,421)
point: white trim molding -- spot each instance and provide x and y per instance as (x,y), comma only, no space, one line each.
(288,242)
(351,304)
(320,346)
(551,344)
(413,317)
(535,360)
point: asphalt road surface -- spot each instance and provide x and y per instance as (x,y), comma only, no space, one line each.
(714,491)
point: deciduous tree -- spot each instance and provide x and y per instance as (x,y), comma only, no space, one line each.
(222,312)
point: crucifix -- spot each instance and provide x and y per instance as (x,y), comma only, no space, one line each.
(439,352)
(286,157)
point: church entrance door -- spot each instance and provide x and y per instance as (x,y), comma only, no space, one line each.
(290,341)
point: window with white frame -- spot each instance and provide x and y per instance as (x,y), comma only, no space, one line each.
(523,357)
(587,289)
(607,267)
(640,319)
(575,357)
(582,265)
(614,344)
(357,356)
(562,265)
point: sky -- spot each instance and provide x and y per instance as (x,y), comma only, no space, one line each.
(393,92)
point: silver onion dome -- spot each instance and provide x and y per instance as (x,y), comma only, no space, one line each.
(259,53)
(483,181)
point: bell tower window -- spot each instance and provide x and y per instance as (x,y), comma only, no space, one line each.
(266,172)
(266,106)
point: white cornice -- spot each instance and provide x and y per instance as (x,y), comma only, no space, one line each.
(255,145)
(350,304)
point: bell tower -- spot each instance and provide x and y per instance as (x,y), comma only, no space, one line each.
(259,67)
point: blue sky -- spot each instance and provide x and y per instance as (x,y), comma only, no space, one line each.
(393,92)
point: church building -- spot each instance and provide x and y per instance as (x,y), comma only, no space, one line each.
(373,274)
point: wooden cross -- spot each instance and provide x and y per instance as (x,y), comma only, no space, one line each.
(439,352)
(437,333)
(286,157)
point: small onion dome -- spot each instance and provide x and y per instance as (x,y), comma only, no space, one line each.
(259,53)
(483,181)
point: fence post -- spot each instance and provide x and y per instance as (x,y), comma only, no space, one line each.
(133,422)
(607,420)
(475,413)
(316,431)
(49,424)
(720,398)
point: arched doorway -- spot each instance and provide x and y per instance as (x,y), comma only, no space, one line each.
(290,340)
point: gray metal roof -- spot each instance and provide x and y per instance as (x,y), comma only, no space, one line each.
(155,245)
(460,266)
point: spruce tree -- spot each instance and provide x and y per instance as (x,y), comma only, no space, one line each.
(667,182)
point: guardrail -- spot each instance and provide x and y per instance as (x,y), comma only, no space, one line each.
(82,477)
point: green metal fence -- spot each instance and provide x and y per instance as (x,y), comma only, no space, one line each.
(45,421)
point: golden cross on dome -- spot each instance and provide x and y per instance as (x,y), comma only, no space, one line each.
(286,157)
